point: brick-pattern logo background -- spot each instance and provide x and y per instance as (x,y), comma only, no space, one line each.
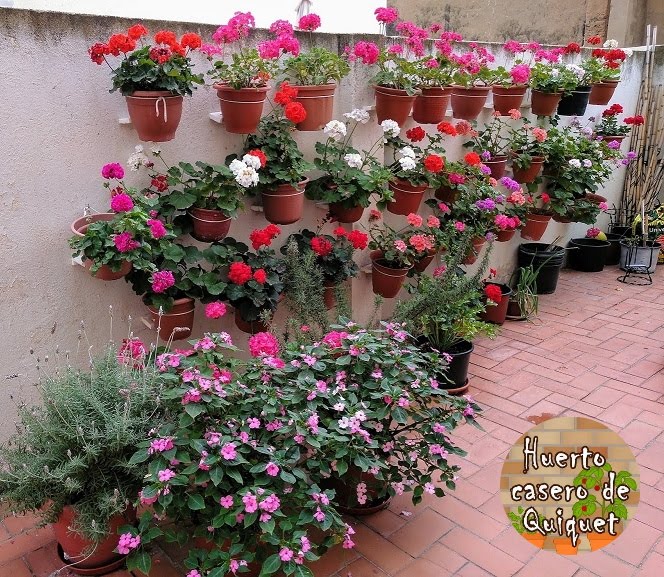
(570,485)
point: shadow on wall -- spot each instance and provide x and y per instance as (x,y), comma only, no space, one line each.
(496,20)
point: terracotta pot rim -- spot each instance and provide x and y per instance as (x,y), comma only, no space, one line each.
(416,189)
(92,218)
(495,159)
(153,94)
(442,90)
(176,302)
(226,88)
(209,211)
(394,91)
(481,89)
(514,89)
(555,92)
(538,217)
(325,86)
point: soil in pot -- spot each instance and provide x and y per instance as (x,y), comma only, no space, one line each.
(393,104)
(467,103)
(574,104)
(549,261)
(345,215)
(209,225)
(386,281)
(241,109)
(496,313)
(535,226)
(587,254)
(407,198)
(544,103)
(507,98)
(430,107)
(155,114)
(177,322)
(318,102)
(284,204)
(601,92)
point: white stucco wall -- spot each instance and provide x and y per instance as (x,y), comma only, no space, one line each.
(58,126)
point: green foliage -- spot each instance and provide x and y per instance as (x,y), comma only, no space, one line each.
(524,285)
(396,71)
(137,71)
(552,77)
(246,69)
(492,138)
(316,66)
(74,449)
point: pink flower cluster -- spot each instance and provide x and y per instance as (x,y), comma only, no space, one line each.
(263,344)
(215,310)
(237,28)
(284,42)
(157,228)
(309,22)
(161,281)
(504,222)
(127,543)
(122,203)
(386,15)
(415,37)
(520,73)
(334,339)
(132,352)
(367,52)
(160,445)
(112,170)
(125,242)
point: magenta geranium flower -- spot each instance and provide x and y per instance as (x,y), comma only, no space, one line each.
(215,310)
(125,242)
(157,228)
(162,280)
(112,170)
(263,344)
(309,22)
(122,203)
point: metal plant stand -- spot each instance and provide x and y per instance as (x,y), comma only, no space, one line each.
(636,271)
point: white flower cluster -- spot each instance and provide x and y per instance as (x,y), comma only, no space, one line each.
(576,70)
(246,170)
(335,129)
(138,158)
(390,128)
(358,115)
(611,44)
(353,160)
(575,163)
(407,160)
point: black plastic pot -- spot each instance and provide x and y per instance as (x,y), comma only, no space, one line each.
(574,104)
(587,254)
(457,370)
(613,253)
(622,231)
(550,261)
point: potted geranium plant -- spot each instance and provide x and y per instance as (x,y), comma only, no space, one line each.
(282,180)
(334,255)
(472,82)
(492,144)
(528,149)
(604,66)
(509,85)
(549,81)
(207,196)
(254,281)
(230,468)
(241,80)
(608,128)
(350,178)
(111,243)
(68,462)
(152,77)
(316,73)
(367,449)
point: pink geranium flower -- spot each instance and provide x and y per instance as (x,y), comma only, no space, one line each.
(122,203)
(215,310)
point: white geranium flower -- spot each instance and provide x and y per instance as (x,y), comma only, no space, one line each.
(390,128)
(137,159)
(611,44)
(407,163)
(251,160)
(576,70)
(138,148)
(628,52)
(575,162)
(353,160)
(587,163)
(335,129)
(407,151)
(236,166)
(358,115)
(555,73)
(247,177)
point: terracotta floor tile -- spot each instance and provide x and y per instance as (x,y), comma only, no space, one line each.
(333,561)
(363,568)
(161,567)
(639,434)
(16,568)
(635,543)
(604,397)
(385,522)
(389,556)
(445,558)
(469,517)
(515,545)
(603,564)
(619,415)
(24,543)
(653,566)
(419,534)
(653,457)
(19,523)
(471,570)
(423,568)
(44,561)
(549,563)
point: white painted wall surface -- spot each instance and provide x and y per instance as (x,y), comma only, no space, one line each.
(340,16)
(58,126)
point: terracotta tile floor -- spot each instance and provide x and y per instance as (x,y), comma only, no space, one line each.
(598,350)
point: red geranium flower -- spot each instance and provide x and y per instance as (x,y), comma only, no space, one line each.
(165,37)
(260,276)
(339,231)
(260,155)
(472,158)
(273,230)
(434,163)
(358,239)
(285,94)
(295,112)
(263,237)
(446,128)
(416,134)
(572,48)
(594,40)
(191,40)
(321,246)
(98,51)
(137,31)
(160,182)
(120,43)
(635,120)
(546,199)
(493,293)
(160,54)
(239,273)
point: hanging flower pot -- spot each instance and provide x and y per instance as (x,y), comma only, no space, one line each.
(496,313)
(155,114)
(249,327)
(446,194)
(618,138)
(506,98)
(85,557)
(430,107)
(345,215)
(467,103)
(544,103)
(385,280)
(176,323)
(422,264)
(535,226)
(241,109)
(505,235)
(79,228)
(477,244)
(318,101)
(574,104)
(595,198)
(529,173)
(209,225)
(601,92)
(393,104)
(407,198)
(284,204)
(329,296)
(497,165)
